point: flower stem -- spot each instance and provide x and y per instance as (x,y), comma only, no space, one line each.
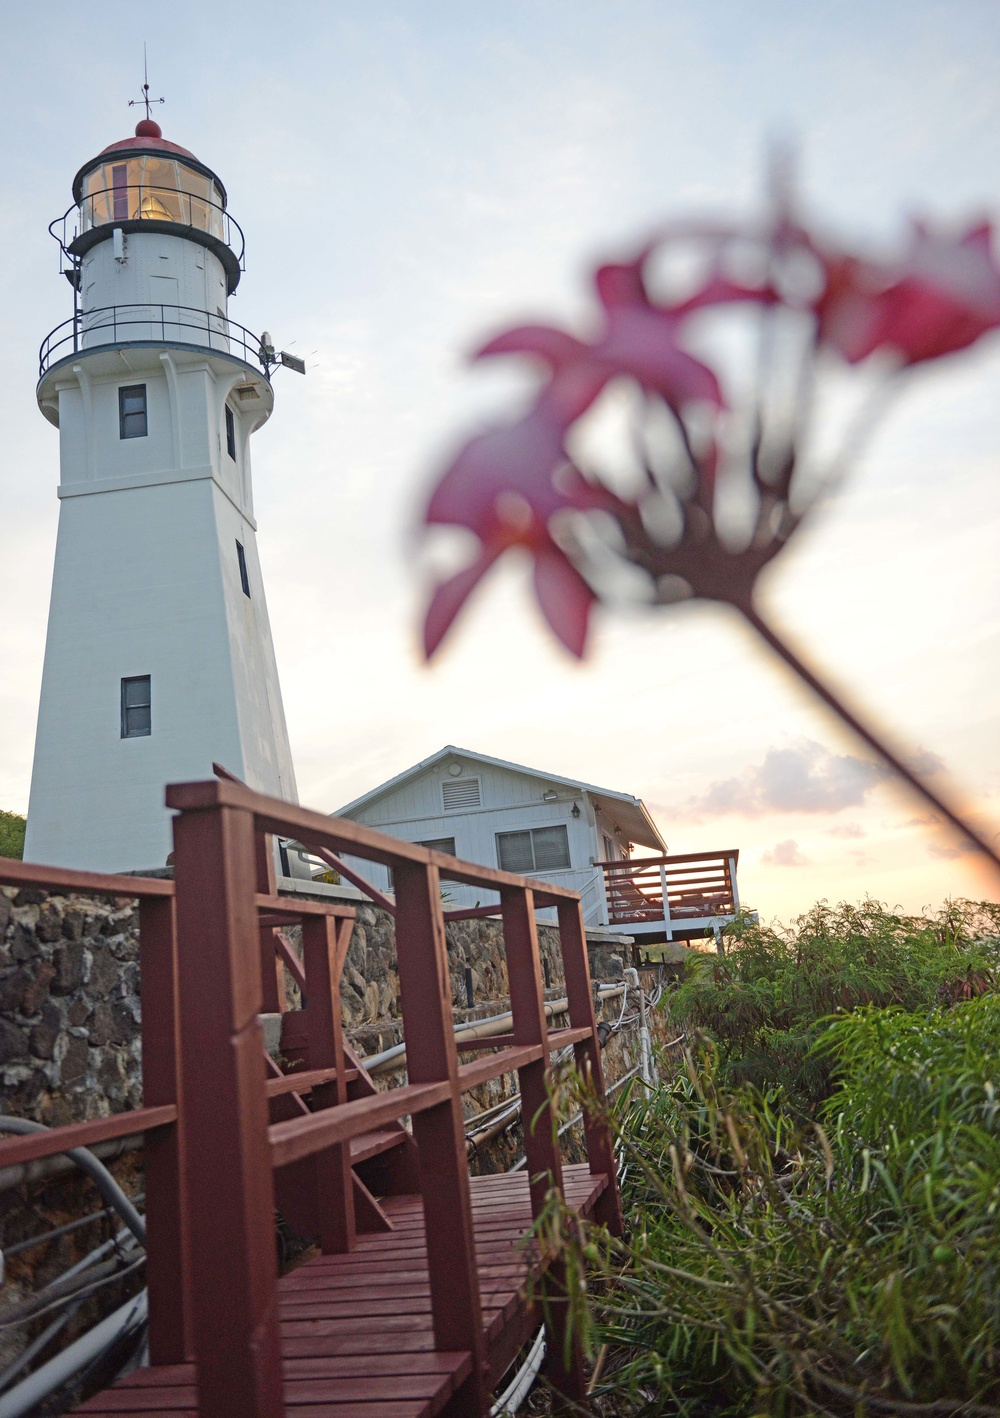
(869,736)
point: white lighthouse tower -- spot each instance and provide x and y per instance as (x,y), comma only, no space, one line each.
(158,658)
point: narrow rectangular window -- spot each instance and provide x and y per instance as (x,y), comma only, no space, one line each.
(230,433)
(241,557)
(536,849)
(132,421)
(136,707)
(119,189)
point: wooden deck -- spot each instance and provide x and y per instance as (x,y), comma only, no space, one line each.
(356,1329)
(672,898)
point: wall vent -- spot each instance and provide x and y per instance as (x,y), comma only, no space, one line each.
(461,793)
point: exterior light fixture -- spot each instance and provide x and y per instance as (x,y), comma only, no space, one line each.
(576,810)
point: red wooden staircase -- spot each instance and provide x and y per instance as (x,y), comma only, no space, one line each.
(421,1296)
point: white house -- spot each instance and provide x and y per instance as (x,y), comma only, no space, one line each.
(598,841)
(505,815)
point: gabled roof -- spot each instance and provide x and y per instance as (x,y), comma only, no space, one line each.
(636,821)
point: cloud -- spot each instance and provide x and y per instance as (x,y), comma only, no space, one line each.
(950,852)
(804,778)
(849,830)
(784,854)
(924,763)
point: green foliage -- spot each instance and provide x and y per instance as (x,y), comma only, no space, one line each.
(12,826)
(765,1000)
(826,1243)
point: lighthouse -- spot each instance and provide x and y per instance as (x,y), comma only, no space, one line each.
(158,654)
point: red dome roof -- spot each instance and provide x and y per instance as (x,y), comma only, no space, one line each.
(147,135)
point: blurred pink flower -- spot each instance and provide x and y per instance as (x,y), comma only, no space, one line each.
(515,486)
(507,484)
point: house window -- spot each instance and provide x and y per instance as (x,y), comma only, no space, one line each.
(461,793)
(132,411)
(230,433)
(537,849)
(440,844)
(609,850)
(136,708)
(241,557)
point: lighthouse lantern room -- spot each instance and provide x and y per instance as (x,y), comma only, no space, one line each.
(158,656)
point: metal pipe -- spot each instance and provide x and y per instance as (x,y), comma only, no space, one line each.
(98,1173)
(517,1390)
(26,1397)
(578,1118)
(645,1044)
(374,1063)
(55,1166)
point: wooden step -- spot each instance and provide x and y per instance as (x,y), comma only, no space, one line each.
(372,1144)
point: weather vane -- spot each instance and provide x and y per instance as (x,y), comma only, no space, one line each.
(145,88)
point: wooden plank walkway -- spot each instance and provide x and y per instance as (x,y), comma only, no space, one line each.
(356,1330)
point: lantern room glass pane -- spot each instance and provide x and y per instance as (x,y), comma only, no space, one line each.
(148,188)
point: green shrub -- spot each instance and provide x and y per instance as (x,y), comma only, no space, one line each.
(765,1000)
(12,826)
(812,1198)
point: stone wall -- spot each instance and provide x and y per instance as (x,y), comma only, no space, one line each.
(70,1018)
(69,1006)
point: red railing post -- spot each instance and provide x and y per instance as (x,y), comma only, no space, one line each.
(564,1351)
(168,1257)
(527,1003)
(325,941)
(587,1055)
(439,1132)
(229,1183)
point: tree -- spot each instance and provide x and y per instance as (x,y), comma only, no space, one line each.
(12,826)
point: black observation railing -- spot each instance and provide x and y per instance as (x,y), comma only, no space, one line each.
(166,324)
(110,206)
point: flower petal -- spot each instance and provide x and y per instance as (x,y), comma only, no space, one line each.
(449,598)
(556,347)
(564,597)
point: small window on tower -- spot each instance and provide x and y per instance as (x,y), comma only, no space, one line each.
(136,708)
(230,433)
(241,557)
(132,411)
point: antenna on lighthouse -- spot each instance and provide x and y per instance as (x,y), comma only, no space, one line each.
(145,87)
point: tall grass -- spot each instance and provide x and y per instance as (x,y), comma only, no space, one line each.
(829,1247)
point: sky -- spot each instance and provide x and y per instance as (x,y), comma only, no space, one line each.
(411,177)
